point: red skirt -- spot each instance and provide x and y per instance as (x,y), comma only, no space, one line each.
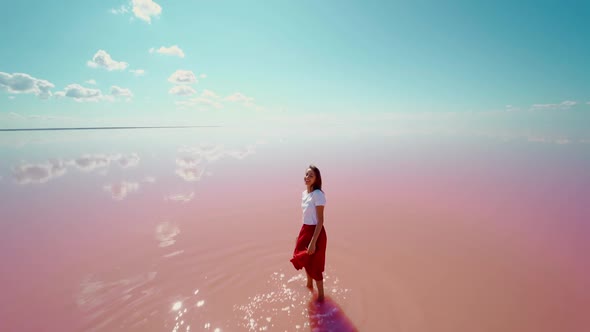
(313,264)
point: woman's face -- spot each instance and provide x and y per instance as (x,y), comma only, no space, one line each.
(309,177)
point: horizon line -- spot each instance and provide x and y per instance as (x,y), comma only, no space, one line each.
(104,128)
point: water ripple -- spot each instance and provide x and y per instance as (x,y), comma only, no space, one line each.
(284,305)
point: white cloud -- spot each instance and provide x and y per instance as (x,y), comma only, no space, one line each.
(554,140)
(38,173)
(121,10)
(90,162)
(241,154)
(137,72)
(210,153)
(180,197)
(130,160)
(568,103)
(165,233)
(45,171)
(25,83)
(189,168)
(564,105)
(209,94)
(186,162)
(510,108)
(182,77)
(104,60)
(203,76)
(120,190)
(562,141)
(182,90)
(93,82)
(120,92)
(80,93)
(239,97)
(172,50)
(146,9)
(190,174)
(243,100)
(83,94)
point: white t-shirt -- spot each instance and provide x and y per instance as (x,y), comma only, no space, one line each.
(308,202)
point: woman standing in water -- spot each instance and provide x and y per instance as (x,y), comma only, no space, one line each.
(310,248)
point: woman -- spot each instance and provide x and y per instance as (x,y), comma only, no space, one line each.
(310,248)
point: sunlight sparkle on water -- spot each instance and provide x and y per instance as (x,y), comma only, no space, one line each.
(177,306)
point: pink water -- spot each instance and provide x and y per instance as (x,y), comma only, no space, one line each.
(193,231)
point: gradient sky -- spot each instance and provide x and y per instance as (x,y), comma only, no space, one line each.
(289,59)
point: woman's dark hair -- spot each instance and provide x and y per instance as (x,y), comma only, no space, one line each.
(317,184)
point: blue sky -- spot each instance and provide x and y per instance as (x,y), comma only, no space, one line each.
(289,58)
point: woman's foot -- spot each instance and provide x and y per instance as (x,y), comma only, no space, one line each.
(317,300)
(320,284)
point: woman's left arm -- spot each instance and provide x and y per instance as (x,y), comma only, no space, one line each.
(320,214)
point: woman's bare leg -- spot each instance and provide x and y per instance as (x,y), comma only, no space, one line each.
(320,284)
(309,281)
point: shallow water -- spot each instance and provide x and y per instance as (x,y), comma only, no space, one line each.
(192,230)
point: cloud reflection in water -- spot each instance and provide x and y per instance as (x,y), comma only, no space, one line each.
(165,233)
(38,173)
(121,189)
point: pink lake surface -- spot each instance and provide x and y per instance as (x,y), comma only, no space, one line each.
(192,230)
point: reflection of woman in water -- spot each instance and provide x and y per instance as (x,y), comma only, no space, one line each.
(310,248)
